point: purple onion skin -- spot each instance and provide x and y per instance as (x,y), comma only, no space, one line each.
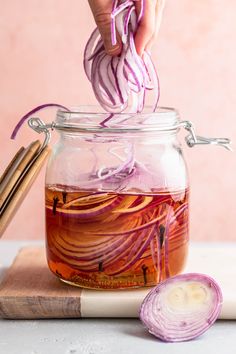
(179,327)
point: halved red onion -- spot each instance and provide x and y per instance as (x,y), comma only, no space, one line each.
(182,307)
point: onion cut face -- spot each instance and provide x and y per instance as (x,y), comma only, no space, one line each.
(120,83)
(182,307)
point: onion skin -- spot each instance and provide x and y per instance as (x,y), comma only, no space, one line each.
(187,318)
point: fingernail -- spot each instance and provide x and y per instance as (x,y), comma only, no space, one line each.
(140,53)
(112,49)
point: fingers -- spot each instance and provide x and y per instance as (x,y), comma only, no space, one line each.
(159,10)
(151,37)
(146,26)
(101,10)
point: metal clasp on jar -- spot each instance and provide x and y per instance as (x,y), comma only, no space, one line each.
(40,127)
(194,139)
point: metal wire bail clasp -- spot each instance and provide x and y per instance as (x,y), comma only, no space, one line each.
(194,139)
(40,127)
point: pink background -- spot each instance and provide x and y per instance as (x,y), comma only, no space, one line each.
(41,48)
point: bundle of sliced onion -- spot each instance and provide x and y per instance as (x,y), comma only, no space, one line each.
(182,307)
(117,79)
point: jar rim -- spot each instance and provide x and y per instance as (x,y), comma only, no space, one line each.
(93,119)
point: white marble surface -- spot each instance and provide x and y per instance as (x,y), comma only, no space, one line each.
(99,336)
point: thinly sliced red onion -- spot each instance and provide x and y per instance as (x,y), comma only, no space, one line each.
(137,81)
(98,49)
(111,76)
(133,75)
(104,80)
(144,202)
(114,65)
(122,84)
(135,57)
(90,52)
(90,199)
(30,113)
(113,32)
(135,229)
(87,214)
(114,4)
(153,77)
(107,258)
(158,255)
(120,8)
(100,253)
(137,252)
(141,13)
(103,123)
(129,20)
(182,307)
(166,239)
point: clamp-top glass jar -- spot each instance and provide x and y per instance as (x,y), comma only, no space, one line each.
(117,191)
(116,200)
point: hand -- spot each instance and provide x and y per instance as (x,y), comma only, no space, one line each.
(147,29)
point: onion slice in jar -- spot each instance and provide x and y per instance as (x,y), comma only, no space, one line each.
(182,307)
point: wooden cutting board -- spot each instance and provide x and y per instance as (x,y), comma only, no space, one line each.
(29,290)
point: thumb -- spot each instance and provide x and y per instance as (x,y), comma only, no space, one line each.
(101,10)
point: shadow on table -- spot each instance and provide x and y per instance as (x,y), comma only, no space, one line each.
(141,333)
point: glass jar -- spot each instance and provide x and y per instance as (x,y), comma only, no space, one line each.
(116,199)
